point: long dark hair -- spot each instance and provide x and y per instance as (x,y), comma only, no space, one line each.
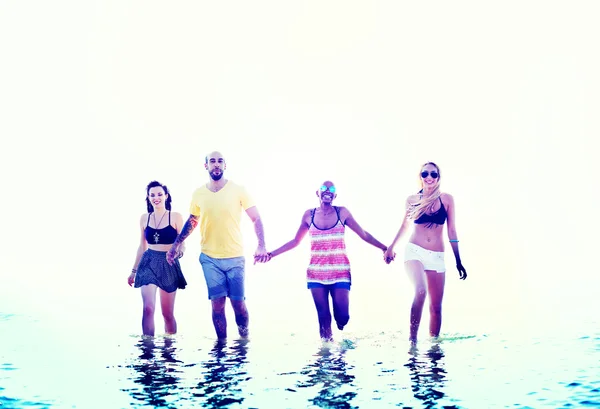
(152,184)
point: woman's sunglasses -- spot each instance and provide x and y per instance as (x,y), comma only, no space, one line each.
(433,174)
(330,188)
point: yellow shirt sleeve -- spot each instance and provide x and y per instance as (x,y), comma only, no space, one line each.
(245,199)
(195,203)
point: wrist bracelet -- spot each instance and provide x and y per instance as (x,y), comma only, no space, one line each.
(133,271)
(453,241)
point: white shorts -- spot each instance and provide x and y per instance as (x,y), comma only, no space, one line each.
(431,260)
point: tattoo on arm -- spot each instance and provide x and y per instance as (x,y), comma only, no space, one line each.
(187,229)
(260,234)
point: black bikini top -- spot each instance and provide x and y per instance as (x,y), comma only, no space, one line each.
(437,217)
(166,235)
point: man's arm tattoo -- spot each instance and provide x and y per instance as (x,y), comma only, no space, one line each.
(187,229)
(260,234)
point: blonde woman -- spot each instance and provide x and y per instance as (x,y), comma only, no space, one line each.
(428,211)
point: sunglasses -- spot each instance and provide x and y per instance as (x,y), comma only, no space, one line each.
(330,188)
(433,174)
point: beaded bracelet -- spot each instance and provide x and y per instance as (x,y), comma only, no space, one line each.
(133,271)
(453,241)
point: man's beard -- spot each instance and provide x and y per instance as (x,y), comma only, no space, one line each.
(216,177)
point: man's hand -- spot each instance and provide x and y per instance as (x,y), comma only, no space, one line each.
(261,255)
(389,255)
(173,253)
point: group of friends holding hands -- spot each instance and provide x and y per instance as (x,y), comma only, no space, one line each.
(216,208)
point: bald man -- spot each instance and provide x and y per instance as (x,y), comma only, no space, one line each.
(217,207)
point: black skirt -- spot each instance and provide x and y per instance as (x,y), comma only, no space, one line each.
(154,269)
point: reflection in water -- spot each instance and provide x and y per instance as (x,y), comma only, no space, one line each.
(427,374)
(329,372)
(225,371)
(157,373)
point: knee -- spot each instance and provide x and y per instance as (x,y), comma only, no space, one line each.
(218,306)
(168,315)
(239,307)
(420,293)
(148,310)
(435,309)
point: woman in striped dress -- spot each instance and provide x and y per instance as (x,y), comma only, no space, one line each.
(328,273)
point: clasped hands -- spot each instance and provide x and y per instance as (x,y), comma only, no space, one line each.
(176,251)
(261,255)
(389,255)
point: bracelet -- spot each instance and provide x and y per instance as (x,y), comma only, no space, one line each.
(133,270)
(453,241)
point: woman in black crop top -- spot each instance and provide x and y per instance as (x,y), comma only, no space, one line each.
(428,210)
(159,228)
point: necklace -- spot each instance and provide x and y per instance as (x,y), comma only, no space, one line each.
(156,235)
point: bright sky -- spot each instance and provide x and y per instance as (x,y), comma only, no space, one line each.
(99,98)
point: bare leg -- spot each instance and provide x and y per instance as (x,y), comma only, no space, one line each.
(321,299)
(241,316)
(218,317)
(435,284)
(416,274)
(341,301)
(167,306)
(149,305)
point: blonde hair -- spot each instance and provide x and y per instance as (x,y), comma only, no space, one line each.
(425,203)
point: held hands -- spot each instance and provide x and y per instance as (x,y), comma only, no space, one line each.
(389,255)
(173,253)
(261,255)
(462,273)
(268,257)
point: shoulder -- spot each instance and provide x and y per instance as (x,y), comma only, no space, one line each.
(447,198)
(143,218)
(238,187)
(343,210)
(413,199)
(307,216)
(176,215)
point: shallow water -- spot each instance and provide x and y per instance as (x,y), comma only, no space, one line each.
(46,368)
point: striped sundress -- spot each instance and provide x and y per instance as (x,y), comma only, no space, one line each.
(329,262)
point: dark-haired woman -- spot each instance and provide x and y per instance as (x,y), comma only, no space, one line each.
(159,228)
(429,210)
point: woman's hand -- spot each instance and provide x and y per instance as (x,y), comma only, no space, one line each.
(173,253)
(131,279)
(462,273)
(264,259)
(389,255)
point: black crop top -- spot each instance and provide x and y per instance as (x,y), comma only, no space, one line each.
(438,217)
(166,235)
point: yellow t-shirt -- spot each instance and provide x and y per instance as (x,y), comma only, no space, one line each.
(219,219)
